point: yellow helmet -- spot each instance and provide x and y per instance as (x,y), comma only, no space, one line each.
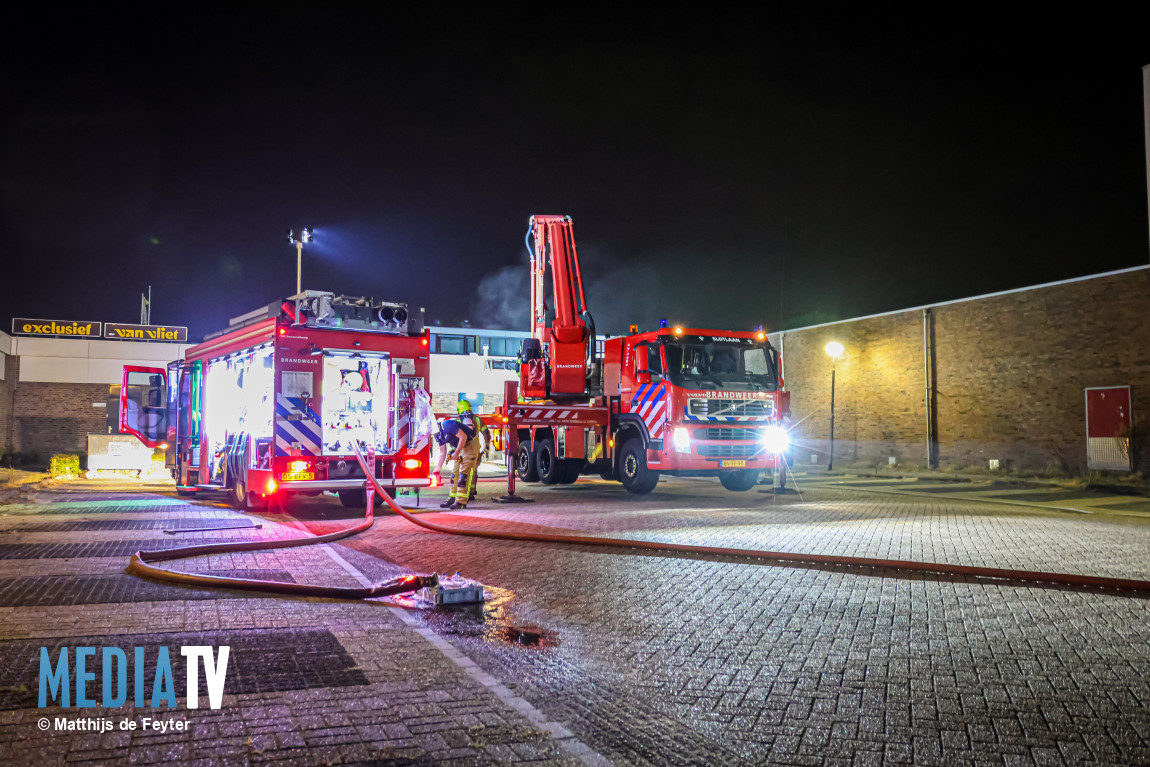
(464,406)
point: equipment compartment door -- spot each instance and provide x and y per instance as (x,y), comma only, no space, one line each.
(1108,428)
(356,401)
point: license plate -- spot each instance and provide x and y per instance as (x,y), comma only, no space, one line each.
(298,476)
(733,464)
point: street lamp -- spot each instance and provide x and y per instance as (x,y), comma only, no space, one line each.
(305,236)
(834,349)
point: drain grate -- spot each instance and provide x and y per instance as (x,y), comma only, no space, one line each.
(123,524)
(103,548)
(114,588)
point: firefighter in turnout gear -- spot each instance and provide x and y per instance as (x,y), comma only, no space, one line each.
(482,437)
(461,441)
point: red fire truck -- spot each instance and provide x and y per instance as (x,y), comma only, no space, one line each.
(270,406)
(679,401)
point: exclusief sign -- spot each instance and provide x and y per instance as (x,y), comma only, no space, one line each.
(27,327)
(107,330)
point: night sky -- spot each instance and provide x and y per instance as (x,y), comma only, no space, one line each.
(723,169)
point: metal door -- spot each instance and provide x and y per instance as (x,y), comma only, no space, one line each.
(1108,428)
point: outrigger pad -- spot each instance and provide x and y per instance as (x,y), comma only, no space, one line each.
(513,499)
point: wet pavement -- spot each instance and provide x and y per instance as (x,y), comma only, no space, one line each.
(588,655)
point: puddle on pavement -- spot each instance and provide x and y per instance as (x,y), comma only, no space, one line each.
(532,636)
(493,621)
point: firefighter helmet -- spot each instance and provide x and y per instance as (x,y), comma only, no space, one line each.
(464,406)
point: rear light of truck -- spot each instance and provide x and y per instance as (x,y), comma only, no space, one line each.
(271,486)
(412,463)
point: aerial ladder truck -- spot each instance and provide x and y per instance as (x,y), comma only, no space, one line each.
(678,401)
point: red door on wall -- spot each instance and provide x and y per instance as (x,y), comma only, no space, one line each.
(1108,428)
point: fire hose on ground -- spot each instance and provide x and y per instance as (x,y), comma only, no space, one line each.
(140,562)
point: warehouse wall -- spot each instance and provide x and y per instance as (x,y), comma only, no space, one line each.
(58,417)
(1008,369)
(54,392)
(7,389)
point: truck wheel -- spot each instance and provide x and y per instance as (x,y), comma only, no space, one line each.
(242,499)
(739,481)
(633,472)
(525,463)
(551,469)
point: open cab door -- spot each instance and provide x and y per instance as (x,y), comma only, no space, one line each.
(144,404)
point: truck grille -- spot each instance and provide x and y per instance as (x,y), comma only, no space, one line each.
(725,433)
(730,407)
(730,451)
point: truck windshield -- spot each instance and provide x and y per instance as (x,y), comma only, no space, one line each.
(702,362)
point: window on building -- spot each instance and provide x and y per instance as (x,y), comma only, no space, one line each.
(450,345)
(496,346)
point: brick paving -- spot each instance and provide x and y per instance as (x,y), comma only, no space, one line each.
(664,660)
(310,681)
(636,658)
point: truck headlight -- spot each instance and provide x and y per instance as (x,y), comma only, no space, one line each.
(775,439)
(681,439)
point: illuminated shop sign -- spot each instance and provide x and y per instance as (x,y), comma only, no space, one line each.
(27,327)
(118,332)
(108,330)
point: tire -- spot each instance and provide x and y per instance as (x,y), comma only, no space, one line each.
(525,463)
(633,471)
(551,470)
(242,499)
(740,481)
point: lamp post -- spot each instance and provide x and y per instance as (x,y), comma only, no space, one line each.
(305,236)
(834,349)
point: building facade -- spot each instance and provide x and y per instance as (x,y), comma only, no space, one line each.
(54,391)
(996,380)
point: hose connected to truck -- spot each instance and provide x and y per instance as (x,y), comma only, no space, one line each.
(932,568)
(141,564)
(141,561)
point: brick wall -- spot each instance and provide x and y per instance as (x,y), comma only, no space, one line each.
(1008,377)
(7,391)
(57,417)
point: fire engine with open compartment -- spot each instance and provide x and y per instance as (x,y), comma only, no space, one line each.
(270,406)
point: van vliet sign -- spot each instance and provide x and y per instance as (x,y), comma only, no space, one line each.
(110,330)
(119,332)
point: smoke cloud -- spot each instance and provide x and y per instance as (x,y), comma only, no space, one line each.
(503,300)
(620,291)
